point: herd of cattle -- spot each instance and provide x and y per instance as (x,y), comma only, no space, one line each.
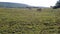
(40,9)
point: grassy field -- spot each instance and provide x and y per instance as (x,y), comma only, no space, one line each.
(25,21)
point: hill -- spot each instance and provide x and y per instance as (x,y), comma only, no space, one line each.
(12,5)
(16,5)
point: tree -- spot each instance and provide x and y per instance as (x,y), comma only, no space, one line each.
(57,5)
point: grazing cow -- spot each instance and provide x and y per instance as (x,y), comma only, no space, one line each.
(39,9)
(29,8)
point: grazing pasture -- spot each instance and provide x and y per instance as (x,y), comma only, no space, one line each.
(24,21)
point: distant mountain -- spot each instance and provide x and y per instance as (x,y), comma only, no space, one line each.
(12,5)
(16,5)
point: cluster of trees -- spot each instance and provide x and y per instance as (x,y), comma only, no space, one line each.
(57,5)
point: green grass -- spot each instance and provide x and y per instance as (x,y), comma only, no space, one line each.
(25,21)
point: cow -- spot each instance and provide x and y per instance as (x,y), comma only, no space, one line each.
(29,8)
(39,9)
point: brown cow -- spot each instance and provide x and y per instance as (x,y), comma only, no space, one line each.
(39,9)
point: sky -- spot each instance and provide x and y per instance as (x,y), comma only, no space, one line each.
(45,3)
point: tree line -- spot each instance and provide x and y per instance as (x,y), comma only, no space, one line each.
(57,5)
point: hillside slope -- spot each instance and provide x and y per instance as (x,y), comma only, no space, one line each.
(12,5)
